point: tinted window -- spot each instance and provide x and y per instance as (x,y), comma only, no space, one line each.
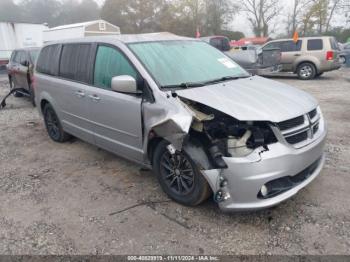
(273,45)
(109,63)
(347,46)
(17,57)
(24,57)
(290,46)
(216,43)
(48,60)
(74,63)
(314,44)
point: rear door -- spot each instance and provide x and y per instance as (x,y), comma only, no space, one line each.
(15,66)
(23,67)
(72,89)
(116,117)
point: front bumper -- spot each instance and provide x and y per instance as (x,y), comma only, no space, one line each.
(246,176)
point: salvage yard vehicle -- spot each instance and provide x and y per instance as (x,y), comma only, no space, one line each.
(309,57)
(252,58)
(20,71)
(186,110)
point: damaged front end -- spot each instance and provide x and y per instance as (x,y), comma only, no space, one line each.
(208,136)
(215,136)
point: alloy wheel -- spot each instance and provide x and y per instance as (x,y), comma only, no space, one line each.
(178,172)
(52,124)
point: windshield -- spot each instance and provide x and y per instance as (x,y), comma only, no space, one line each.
(176,63)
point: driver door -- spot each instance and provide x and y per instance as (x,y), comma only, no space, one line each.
(116,117)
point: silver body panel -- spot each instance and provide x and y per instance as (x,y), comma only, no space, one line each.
(121,123)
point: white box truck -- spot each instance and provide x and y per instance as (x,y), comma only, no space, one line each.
(18,35)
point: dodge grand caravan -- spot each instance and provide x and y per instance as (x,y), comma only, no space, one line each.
(181,107)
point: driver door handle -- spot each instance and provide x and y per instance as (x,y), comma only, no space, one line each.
(297,55)
(95,98)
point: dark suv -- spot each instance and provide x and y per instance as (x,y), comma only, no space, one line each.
(20,71)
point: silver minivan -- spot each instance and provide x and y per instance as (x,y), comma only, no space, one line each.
(186,110)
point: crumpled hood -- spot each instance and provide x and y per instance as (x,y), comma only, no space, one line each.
(253,99)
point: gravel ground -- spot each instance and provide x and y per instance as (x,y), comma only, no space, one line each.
(69,198)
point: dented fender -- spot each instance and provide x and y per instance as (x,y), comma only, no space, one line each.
(169,119)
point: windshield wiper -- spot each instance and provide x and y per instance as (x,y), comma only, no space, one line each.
(225,78)
(184,85)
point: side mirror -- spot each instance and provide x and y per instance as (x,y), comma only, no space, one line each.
(124,84)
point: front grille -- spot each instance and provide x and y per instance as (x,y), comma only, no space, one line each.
(295,139)
(313,113)
(283,184)
(292,123)
(316,128)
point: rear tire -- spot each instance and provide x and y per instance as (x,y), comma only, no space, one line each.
(179,176)
(306,71)
(53,125)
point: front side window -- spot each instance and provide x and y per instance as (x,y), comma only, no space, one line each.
(110,63)
(173,63)
(290,46)
(314,44)
(272,45)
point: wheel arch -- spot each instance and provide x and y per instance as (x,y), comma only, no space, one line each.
(309,62)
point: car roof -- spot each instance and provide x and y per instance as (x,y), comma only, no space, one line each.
(301,38)
(28,49)
(127,39)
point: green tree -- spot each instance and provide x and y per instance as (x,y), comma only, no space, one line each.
(133,16)
(41,11)
(261,15)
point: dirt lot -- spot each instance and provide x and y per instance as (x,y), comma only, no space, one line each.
(59,199)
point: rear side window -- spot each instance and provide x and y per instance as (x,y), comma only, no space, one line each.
(314,44)
(290,46)
(109,63)
(74,63)
(48,60)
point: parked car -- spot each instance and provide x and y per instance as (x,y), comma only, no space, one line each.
(255,60)
(186,110)
(20,71)
(309,57)
(345,53)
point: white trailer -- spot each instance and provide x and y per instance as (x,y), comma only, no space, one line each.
(79,30)
(19,35)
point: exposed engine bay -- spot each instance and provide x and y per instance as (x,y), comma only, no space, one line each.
(221,135)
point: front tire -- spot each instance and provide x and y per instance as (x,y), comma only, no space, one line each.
(53,125)
(306,71)
(179,176)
